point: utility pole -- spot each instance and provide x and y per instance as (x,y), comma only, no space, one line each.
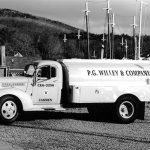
(134,39)
(103,47)
(87,30)
(140,28)
(108,20)
(94,55)
(122,43)
(112,40)
(65,40)
(126,49)
(78,36)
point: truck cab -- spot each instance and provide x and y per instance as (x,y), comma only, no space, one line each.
(46,82)
(38,89)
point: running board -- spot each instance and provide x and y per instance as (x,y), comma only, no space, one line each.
(54,109)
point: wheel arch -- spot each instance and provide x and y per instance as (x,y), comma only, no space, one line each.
(24,100)
(126,95)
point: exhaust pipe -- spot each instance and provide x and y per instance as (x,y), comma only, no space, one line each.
(2,56)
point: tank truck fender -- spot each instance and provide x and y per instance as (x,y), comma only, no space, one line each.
(21,96)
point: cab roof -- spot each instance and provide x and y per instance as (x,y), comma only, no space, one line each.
(45,62)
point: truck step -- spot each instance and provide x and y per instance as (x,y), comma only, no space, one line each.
(54,109)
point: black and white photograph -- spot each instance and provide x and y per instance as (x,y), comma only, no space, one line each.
(74,75)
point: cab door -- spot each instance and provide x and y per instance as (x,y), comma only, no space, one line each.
(46,89)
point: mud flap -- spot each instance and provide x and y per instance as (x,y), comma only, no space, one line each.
(141,113)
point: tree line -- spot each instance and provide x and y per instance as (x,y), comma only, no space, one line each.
(30,39)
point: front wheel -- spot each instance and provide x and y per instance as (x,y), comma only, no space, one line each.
(126,110)
(9,111)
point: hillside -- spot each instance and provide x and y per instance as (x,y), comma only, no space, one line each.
(32,35)
(19,16)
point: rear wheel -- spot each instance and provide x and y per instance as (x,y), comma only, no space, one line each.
(9,110)
(126,109)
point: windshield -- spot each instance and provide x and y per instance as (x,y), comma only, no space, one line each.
(29,70)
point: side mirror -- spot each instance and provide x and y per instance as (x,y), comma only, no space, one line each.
(34,79)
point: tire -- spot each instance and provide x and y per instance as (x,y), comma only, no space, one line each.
(126,109)
(9,110)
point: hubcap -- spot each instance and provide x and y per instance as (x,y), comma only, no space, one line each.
(126,109)
(9,109)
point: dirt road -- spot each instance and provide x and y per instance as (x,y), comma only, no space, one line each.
(75,130)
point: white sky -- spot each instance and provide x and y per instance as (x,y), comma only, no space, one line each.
(71,12)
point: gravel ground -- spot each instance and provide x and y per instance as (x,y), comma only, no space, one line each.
(75,130)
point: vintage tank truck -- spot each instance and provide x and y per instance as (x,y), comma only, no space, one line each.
(99,85)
